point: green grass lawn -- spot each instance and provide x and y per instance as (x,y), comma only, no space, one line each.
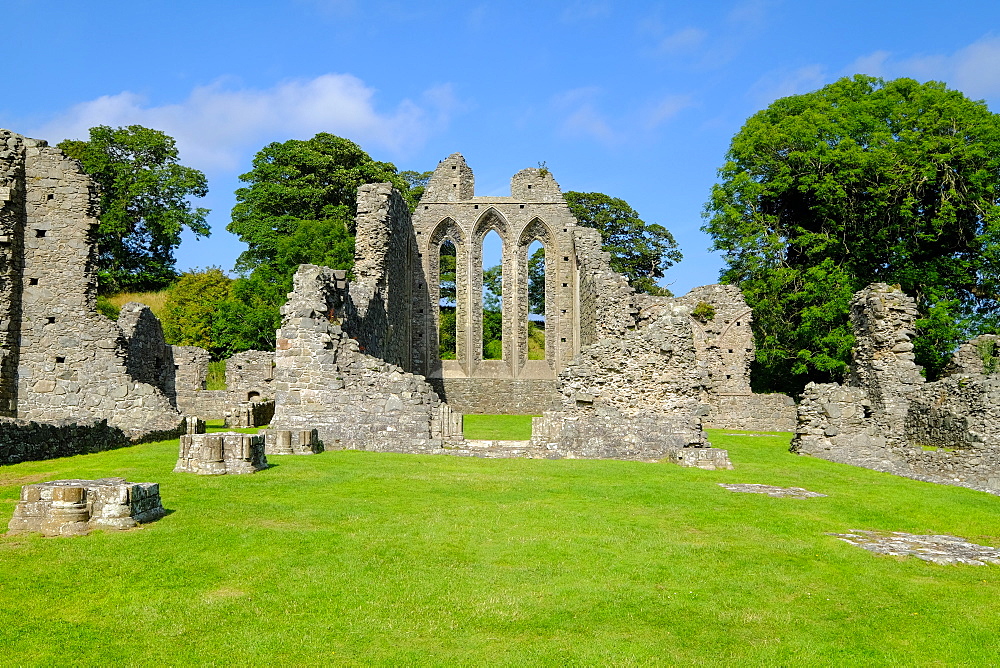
(351,558)
(497,427)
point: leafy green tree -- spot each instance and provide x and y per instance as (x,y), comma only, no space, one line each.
(249,320)
(298,207)
(144,204)
(493,312)
(640,251)
(863,180)
(313,180)
(191,310)
(536,283)
(417,182)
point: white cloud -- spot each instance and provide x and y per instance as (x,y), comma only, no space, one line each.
(973,69)
(873,64)
(783,83)
(581,117)
(219,124)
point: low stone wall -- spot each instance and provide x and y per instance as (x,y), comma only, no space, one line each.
(586,435)
(492,396)
(250,414)
(752,412)
(835,424)
(23,440)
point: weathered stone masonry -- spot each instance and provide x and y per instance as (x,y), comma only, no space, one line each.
(888,419)
(60,359)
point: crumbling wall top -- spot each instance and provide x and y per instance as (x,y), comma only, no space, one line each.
(535,185)
(452,181)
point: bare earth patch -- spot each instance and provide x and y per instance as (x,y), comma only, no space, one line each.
(771,490)
(940,549)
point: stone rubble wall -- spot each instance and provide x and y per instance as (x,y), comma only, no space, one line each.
(324,381)
(504,396)
(12,206)
(612,435)
(956,412)
(379,311)
(25,441)
(888,419)
(725,341)
(724,345)
(250,414)
(607,302)
(653,369)
(968,359)
(752,412)
(149,359)
(73,363)
(250,375)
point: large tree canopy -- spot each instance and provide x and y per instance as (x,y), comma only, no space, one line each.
(144,204)
(298,207)
(304,187)
(863,180)
(640,251)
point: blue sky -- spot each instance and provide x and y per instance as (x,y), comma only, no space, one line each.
(638,100)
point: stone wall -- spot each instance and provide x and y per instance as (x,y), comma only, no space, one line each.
(535,211)
(607,302)
(250,375)
(324,381)
(25,441)
(889,419)
(12,207)
(973,355)
(383,292)
(721,323)
(504,396)
(149,359)
(609,434)
(752,412)
(72,363)
(653,369)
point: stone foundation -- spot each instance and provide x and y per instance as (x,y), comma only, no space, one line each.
(221,453)
(76,507)
(289,442)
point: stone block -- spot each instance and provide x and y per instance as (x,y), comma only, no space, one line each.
(291,442)
(221,453)
(76,507)
(710,459)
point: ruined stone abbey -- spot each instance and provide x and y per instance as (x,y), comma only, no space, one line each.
(624,375)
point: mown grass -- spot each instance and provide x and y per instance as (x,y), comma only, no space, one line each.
(349,558)
(497,427)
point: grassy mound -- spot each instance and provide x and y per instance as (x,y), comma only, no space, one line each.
(366,558)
